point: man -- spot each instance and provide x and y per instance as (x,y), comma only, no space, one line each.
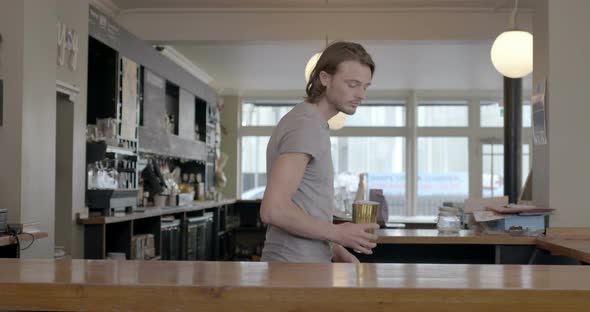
(297,204)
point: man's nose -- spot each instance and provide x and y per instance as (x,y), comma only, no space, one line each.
(360,94)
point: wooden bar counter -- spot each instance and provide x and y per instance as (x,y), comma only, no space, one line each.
(99,285)
(507,249)
(402,236)
(574,248)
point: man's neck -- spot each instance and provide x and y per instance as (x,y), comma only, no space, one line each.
(325,108)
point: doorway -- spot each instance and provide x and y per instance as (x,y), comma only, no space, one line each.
(64,143)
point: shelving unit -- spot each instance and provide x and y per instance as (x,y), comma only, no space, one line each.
(114,233)
(160,111)
(114,86)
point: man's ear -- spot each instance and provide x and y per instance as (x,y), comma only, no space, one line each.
(325,78)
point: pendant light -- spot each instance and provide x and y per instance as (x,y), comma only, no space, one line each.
(512,51)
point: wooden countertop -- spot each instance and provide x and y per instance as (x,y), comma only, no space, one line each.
(103,285)
(154,212)
(575,248)
(9,240)
(401,236)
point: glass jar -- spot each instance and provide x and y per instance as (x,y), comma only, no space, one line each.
(448,223)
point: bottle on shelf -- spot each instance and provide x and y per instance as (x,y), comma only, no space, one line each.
(362,188)
(199,188)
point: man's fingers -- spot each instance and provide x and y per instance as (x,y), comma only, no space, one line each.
(363,249)
(366,244)
(370,237)
(369,226)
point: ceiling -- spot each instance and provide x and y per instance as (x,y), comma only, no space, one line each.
(242,66)
(400,65)
(393,4)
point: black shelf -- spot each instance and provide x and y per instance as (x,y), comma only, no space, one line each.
(197,228)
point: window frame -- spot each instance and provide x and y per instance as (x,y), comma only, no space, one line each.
(411,132)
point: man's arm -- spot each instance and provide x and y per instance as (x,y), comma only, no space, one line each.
(278,209)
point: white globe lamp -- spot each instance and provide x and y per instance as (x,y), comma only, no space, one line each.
(311,65)
(338,121)
(512,53)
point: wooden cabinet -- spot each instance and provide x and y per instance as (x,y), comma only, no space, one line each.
(179,233)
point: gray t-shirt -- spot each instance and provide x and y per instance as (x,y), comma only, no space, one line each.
(303,130)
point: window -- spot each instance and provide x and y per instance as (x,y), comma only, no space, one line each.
(253,166)
(382,158)
(443,172)
(421,150)
(443,114)
(378,114)
(492,114)
(264,113)
(493,168)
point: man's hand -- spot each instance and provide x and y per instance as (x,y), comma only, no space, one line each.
(340,254)
(354,236)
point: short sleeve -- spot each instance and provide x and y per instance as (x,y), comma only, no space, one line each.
(304,136)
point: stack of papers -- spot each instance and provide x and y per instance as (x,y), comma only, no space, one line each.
(520,210)
(493,213)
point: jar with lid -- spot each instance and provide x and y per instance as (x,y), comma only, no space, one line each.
(448,222)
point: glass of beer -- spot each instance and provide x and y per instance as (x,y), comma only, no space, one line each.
(364,211)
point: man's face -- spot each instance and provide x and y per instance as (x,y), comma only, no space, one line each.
(347,87)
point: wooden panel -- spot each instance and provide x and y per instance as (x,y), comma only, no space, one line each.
(214,286)
(568,232)
(578,249)
(397,236)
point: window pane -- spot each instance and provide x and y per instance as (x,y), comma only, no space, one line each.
(383,158)
(264,114)
(443,114)
(527,114)
(492,116)
(493,168)
(253,166)
(378,114)
(443,172)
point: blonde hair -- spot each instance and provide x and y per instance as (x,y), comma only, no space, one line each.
(332,56)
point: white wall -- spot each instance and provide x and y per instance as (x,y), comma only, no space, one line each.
(561,168)
(11,58)
(28,135)
(38,127)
